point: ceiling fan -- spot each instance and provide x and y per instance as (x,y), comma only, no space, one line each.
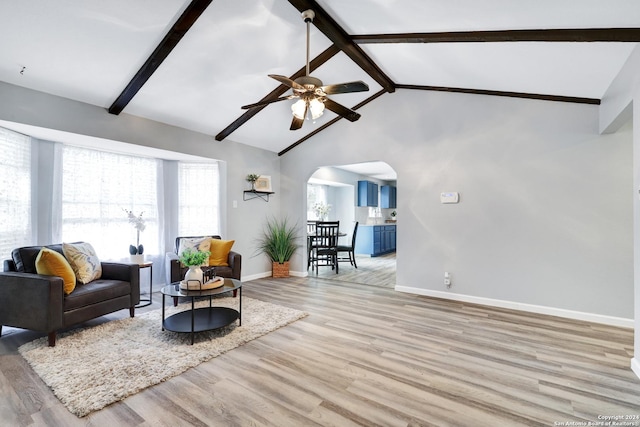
(311,94)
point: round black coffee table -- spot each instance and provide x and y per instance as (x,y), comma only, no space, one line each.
(201,319)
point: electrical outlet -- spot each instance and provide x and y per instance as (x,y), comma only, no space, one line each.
(447,279)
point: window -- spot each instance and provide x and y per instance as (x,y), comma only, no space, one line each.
(15,192)
(198,199)
(96,188)
(316,194)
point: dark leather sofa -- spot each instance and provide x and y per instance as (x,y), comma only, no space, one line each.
(32,301)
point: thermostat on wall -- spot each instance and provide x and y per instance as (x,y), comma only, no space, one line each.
(449,197)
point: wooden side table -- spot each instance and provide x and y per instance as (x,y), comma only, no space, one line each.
(148,301)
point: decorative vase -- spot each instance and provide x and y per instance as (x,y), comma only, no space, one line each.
(194,273)
(280,270)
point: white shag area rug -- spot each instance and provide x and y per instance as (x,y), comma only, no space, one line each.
(91,368)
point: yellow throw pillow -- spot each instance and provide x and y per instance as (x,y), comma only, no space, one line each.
(52,263)
(220,252)
(84,261)
(195,244)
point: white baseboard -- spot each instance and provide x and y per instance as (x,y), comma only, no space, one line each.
(299,273)
(268,274)
(255,276)
(635,366)
(552,311)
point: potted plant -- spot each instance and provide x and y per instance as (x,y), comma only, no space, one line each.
(278,242)
(136,252)
(193,260)
(252,178)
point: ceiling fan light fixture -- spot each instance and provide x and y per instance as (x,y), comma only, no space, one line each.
(311,93)
(298,108)
(316,107)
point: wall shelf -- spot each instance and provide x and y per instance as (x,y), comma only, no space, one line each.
(254,194)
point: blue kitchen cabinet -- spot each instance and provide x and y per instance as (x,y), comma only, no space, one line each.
(367,193)
(388,196)
(375,240)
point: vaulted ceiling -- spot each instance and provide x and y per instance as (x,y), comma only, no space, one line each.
(193,64)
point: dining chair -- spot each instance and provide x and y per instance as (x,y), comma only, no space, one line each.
(350,250)
(311,232)
(311,226)
(324,245)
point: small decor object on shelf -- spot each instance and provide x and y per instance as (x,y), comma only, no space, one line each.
(136,252)
(321,211)
(393,215)
(252,178)
(193,260)
(263,183)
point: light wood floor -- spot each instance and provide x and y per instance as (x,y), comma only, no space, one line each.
(372,271)
(367,356)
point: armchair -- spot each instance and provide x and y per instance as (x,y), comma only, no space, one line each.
(175,271)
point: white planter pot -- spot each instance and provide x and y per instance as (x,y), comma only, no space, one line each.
(136,259)
(194,274)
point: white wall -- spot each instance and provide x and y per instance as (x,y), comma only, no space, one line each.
(545,217)
(243,224)
(635,362)
(616,107)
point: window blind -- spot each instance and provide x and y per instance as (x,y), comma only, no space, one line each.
(15,192)
(315,194)
(97,187)
(198,199)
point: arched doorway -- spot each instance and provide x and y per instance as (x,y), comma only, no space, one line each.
(336,188)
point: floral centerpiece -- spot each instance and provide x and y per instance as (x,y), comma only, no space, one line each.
(139,225)
(321,210)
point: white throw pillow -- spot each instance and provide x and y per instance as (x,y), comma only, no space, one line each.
(83,260)
(202,244)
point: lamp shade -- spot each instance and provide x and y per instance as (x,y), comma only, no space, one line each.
(316,107)
(298,108)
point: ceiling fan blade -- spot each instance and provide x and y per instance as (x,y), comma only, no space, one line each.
(286,81)
(296,123)
(270,101)
(358,86)
(341,110)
